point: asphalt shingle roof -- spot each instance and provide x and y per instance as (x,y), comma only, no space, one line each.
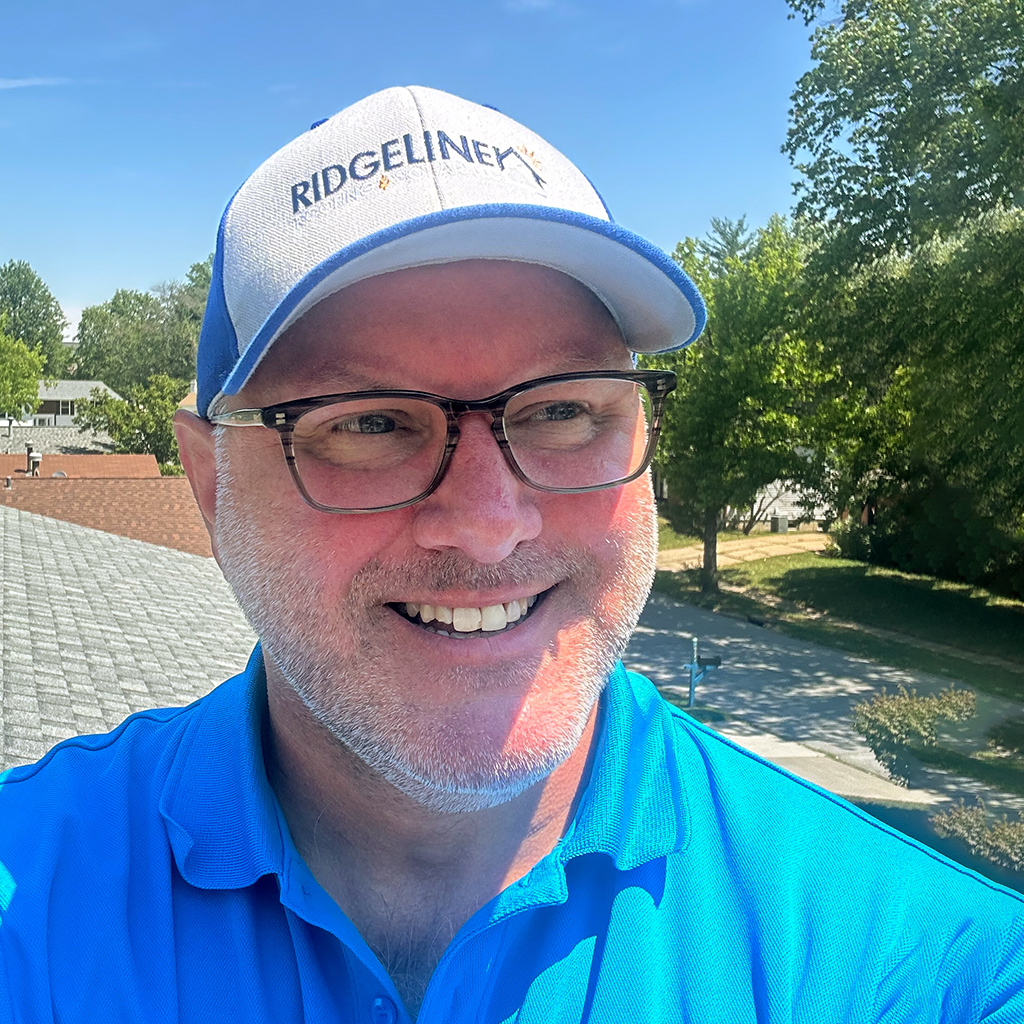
(54,440)
(94,627)
(68,390)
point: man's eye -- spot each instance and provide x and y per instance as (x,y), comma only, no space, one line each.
(367,423)
(554,411)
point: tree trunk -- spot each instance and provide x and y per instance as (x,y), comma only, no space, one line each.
(709,569)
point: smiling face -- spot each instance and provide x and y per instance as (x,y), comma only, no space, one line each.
(543,589)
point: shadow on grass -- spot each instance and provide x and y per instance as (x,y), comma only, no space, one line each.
(864,594)
(1005,775)
(931,609)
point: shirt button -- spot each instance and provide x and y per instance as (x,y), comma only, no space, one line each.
(382,1011)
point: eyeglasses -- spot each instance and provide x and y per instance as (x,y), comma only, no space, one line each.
(373,451)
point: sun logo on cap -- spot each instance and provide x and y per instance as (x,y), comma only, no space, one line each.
(530,155)
(384,182)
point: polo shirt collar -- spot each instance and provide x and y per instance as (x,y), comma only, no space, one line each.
(634,809)
(217,804)
(225,832)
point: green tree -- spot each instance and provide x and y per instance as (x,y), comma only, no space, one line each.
(746,388)
(140,423)
(184,303)
(20,370)
(117,339)
(911,121)
(932,342)
(134,335)
(33,315)
(728,239)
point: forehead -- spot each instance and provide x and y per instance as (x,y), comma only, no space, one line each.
(461,329)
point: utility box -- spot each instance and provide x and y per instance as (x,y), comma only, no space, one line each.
(780,524)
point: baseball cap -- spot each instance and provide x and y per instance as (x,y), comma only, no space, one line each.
(410,177)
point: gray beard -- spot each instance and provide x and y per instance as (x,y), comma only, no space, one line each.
(333,657)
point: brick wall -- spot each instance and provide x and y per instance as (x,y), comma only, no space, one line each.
(160,510)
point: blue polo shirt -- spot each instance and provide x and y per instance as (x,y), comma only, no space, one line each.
(148,875)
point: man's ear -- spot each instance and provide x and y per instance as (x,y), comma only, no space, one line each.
(196,448)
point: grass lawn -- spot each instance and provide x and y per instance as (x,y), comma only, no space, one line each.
(969,619)
(669,539)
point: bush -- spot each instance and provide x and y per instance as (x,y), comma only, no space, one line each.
(893,723)
(937,530)
(1002,842)
(850,539)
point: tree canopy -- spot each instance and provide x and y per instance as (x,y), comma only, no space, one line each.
(140,423)
(33,315)
(136,335)
(911,121)
(933,341)
(20,370)
(745,387)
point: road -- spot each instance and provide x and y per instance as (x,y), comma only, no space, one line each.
(792,702)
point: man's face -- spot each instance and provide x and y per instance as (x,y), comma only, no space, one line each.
(456,721)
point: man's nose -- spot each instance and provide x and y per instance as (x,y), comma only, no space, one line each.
(480,507)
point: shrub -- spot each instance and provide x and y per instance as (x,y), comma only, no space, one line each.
(850,539)
(893,723)
(936,529)
(1002,842)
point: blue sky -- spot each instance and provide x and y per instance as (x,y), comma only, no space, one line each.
(127,126)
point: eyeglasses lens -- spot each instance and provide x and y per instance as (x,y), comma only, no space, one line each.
(579,433)
(376,452)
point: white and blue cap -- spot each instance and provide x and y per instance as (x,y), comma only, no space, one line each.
(410,177)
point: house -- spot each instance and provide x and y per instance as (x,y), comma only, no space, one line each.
(77,465)
(58,400)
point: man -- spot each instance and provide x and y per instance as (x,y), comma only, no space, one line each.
(435,793)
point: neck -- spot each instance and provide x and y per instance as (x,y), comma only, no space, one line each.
(390,862)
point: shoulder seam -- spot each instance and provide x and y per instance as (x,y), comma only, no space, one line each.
(692,725)
(28,771)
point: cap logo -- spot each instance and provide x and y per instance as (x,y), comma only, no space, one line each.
(428,148)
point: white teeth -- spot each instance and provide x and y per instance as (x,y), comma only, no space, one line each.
(469,620)
(466,620)
(493,618)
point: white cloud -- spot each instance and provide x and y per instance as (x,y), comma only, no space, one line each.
(28,83)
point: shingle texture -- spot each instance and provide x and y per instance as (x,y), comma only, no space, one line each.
(159,510)
(94,627)
(51,440)
(65,390)
(92,466)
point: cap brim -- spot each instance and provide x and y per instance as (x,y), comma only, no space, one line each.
(656,305)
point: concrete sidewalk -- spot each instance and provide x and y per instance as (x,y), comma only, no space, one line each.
(744,549)
(792,702)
